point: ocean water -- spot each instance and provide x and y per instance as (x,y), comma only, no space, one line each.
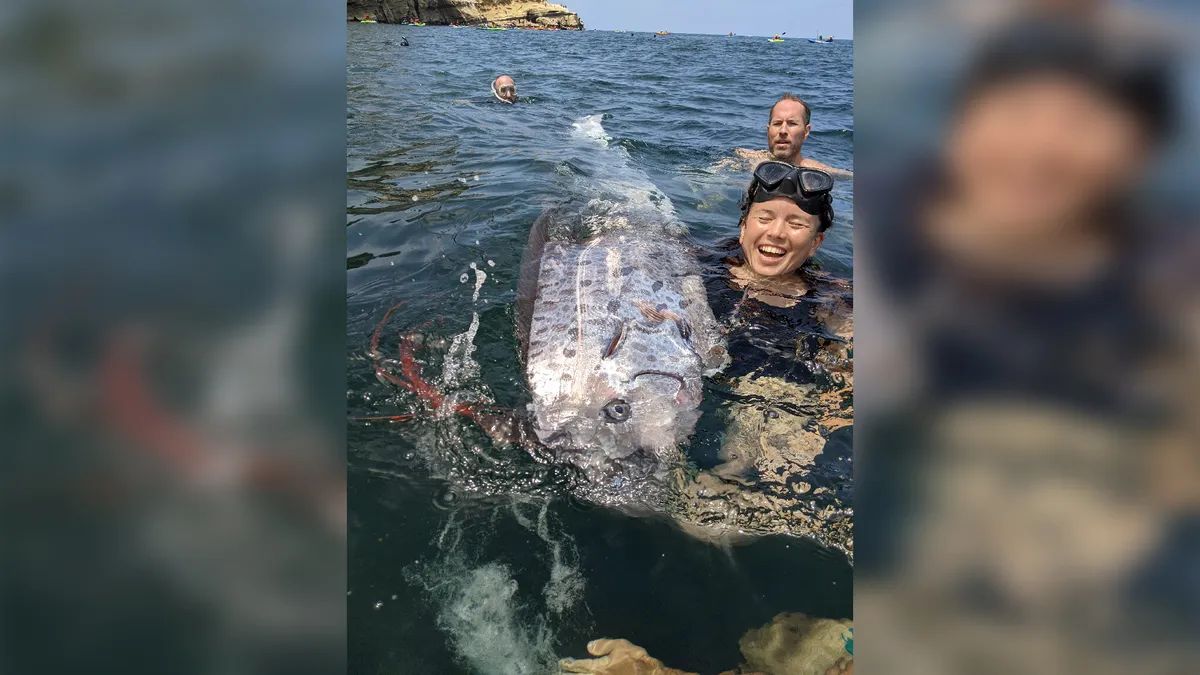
(466,556)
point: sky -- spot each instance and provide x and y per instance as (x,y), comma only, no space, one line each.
(799,18)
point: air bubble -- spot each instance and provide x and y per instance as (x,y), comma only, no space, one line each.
(446,499)
(491,263)
(462,279)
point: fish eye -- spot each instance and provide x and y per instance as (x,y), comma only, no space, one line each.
(617,410)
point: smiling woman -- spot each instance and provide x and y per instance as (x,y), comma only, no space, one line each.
(777,237)
(785,214)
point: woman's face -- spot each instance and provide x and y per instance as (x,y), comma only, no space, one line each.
(777,237)
(1042,151)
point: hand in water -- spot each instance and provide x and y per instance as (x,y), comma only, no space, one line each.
(618,657)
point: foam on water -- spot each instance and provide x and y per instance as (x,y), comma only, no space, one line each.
(481,617)
(565,587)
(493,624)
(617,182)
(591,127)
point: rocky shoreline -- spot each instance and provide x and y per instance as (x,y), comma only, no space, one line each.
(535,14)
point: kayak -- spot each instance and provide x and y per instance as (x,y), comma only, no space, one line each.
(367,21)
(417,24)
(662,33)
(495,28)
(775,40)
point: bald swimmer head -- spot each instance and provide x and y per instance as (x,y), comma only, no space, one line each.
(505,89)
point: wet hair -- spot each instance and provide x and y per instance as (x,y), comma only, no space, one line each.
(791,97)
(1138,77)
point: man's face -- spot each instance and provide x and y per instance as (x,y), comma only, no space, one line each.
(506,89)
(778,236)
(787,130)
(1041,152)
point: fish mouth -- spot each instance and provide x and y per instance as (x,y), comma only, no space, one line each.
(661,373)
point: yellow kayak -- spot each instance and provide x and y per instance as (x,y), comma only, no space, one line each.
(367,21)
(774,40)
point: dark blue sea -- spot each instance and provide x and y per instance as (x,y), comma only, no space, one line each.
(466,556)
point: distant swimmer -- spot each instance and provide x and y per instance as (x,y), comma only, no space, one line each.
(504,88)
(788,127)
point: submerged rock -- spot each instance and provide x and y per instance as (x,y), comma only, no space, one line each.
(508,13)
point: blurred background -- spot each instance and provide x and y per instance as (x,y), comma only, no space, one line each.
(171,272)
(1027,461)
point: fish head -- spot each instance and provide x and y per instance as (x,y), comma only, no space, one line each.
(638,389)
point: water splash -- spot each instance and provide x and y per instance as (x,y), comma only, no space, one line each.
(492,623)
(591,127)
(565,587)
(619,189)
(460,365)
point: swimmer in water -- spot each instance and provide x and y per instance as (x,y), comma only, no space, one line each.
(785,214)
(788,126)
(504,88)
(770,447)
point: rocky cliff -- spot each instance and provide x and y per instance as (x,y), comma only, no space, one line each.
(511,13)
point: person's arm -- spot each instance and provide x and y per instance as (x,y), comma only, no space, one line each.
(822,166)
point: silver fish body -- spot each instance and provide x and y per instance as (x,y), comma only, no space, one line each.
(615,323)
